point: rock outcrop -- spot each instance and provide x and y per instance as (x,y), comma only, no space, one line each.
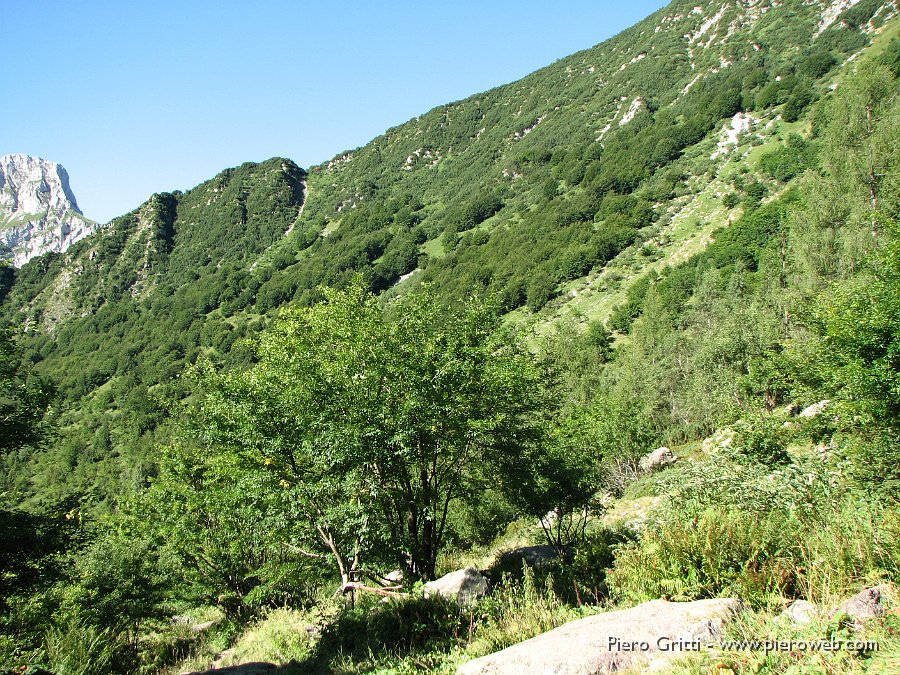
(645,637)
(656,460)
(38,212)
(865,605)
(464,586)
(800,613)
(533,556)
(815,409)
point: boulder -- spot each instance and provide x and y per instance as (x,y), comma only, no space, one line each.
(530,555)
(800,613)
(791,409)
(464,586)
(658,459)
(643,637)
(865,605)
(815,409)
(394,577)
(722,439)
(256,668)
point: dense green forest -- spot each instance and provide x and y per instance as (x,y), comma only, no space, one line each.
(281,383)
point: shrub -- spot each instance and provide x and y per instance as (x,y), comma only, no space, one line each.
(743,529)
(763,440)
(722,552)
(731,200)
(77,648)
(397,628)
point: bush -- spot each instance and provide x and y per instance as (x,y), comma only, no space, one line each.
(77,648)
(762,439)
(731,200)
(723,552)
(744,529)
(592,561)
(517,611)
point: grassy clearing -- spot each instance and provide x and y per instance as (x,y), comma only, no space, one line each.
(691,220)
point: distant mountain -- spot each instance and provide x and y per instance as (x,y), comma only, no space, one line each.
(38,212)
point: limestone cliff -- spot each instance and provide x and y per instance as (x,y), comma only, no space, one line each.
(38,212)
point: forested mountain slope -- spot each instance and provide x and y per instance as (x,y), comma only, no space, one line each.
(661,337)
(126,308)
(517,190)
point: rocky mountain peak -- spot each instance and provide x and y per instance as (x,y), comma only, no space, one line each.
(38,211)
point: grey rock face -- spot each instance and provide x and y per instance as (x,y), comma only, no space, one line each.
(645,637)
(38,212)
(815,409)
(464,586)
(658,459)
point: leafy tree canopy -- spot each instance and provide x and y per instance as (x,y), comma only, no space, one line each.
(377,420)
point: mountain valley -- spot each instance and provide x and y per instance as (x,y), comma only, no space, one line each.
(679,238)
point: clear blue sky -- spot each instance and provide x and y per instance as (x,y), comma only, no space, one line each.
(140,97)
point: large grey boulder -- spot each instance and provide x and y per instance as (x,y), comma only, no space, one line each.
(658,459)
(815,409)
(865,605)
(533,556)
(645,637)
(799,613)
(464,586)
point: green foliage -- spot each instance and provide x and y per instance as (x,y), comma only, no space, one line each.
(559,484)
(23,399)
(227,529)
(376,421)
(34,544)
(860,326)
(732,528)
(395,629)
(816,62)
(516,611)
(762,439)
(789,160)
(517,190)
(80,648)
(720,553)
(358,434)
(119,583)
(731,200)
(891,57)
(593,559)
(624,315)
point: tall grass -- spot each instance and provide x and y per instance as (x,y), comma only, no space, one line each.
(78,648)
(760,535)
(721,553)
(517,611)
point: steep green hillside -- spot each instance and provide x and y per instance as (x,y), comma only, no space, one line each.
(523,190)
(688,236)
(533,171)
(117,317)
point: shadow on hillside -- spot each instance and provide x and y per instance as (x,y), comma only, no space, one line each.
(256,668)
